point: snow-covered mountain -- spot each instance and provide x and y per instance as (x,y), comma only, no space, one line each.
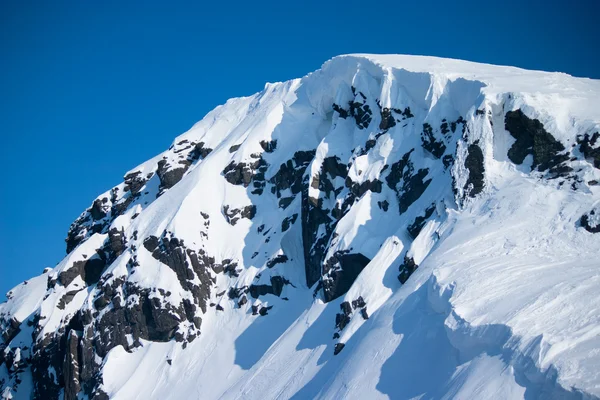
(385,227)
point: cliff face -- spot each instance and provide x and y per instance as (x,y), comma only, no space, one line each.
(385,226)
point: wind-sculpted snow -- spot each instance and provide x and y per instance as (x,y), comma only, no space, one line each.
(385,227)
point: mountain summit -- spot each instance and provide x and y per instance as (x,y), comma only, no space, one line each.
(385,227)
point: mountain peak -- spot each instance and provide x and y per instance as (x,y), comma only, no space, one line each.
(388,225)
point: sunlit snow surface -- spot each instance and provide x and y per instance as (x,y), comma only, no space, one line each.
(505,302)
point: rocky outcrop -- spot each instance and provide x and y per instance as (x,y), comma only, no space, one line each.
(430,143)
(339,273)
(474,164)
(591,220)
(406,269)
(408,184)
(589,145)
(415,228)
(357,109)
(275,288)
(71,367)
(532,139)
(89,270)
(233,215)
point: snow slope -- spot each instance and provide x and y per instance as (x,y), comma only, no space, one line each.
(385,227)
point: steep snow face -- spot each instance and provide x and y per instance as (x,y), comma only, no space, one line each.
(385,227)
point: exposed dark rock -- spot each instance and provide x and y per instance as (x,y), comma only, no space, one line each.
(169,176)
(406,269)
(134,182)
(287,222)
(448,160)
(591,221)
(290,174)
(66,299)
(244,173)
(413,184)
(234,214)
(268,146)
(275,288)
(338,347)
(264,310)
(199,152)
(89,270)
(387,119)
(342,319)
(340,272)
(172,252)
(71,367)
(364,313)
(590,147)
(415,228)
(11,330)
(285,202)
(383,205)
(430,143)
(278,259)
(314,245)
(474,164)
(532,138)
(358,109)
(358,303)
(234,148)
(117,241)
(359,189)
(99,209)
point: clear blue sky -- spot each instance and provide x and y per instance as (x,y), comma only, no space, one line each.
(90,89)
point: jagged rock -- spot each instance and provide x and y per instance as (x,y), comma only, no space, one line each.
(358,109)
(430,143)
(287,222)
(99,210)
(591,221)
(275,288)
(232,215)
(173,253)
(364,313)
(89,270)
(340,272)
(134,182)
(338,347)
(387,119)
(358,303)
(383,205)
(406,269)
(66,299)
(264,310)
(359,189)
(413,184)
(71,367)
(242,173)
(314,245)
(532,138)
(168,175)
(117,241)
(590,147)
(415,228)
(342,319)
(268,146)
(474,164)
(11,330)
(278,259)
